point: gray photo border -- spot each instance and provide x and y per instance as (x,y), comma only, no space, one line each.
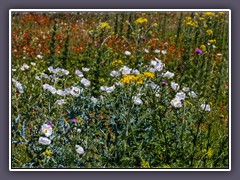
(124,4)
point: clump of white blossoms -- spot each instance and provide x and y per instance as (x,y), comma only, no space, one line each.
(180,95)
(135,72)
(24,67)
(192,94)
(186,89)
(94,100)
(47,130)
(125,70)
(146,51)
(18,85)
(79,73)
(176,102)
(168,74)
(157,65)
(114,74)
(39,56)
(58,71)
(79,149)
(175,86)
(75,91)
(85,82)
(137,100)
(50,88)
(107,89)
(127,53)
(164,51)
(85,69)
(44,141)
(157,51)
(61,102)
(206,107)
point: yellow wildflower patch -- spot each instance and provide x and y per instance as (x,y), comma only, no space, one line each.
(141,20)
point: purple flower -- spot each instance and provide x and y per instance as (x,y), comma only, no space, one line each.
(50,124)
(164,82)
(199,51)
(74,120)
(143,38)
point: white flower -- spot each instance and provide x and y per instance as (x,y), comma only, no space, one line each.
(75,91)
(206,107)
(46,86)
(157,51)
(192,94)
(168,74)
(157,95)
(94,100)
(164,51)
(176,102)
(79,149)
(85,69)
(213,46)
(18,85)
(38,78)
(24,66)
(153,85)
(61,102)
(127,53)
(219,54)
(61,92)
(175,86)
(154,63)
(125,70)
(185,89)
(44,141)
(180,95)
(110,89)
(158,65)
(44,75)
(114,73)
(52,90)
(137,100)
(146,51)
(85,82)
(14,70)
(39,56)
(46,129)
(135,72)
(79,73)
(33,63)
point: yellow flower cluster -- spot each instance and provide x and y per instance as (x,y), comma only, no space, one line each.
(141,20)
(47,153)
(212,40)
(104,25)
(210,153)
(149,74)
(117,62)
(209,32)
(203,48)
(188,20)
(208,14)
(145,164)
(138,79)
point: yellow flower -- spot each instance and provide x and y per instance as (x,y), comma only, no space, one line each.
(141,20)
(210,153)
(145,164)
(101,80)
(149,74)
(104,25)
(128,79)
(210,14)
(209,32)
(188,18)
(201,18)
(203,48)
(155,24)
(212,40)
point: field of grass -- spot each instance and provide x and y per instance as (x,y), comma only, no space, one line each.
(120,90)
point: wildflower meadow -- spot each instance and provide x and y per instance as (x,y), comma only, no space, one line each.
(119,90)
